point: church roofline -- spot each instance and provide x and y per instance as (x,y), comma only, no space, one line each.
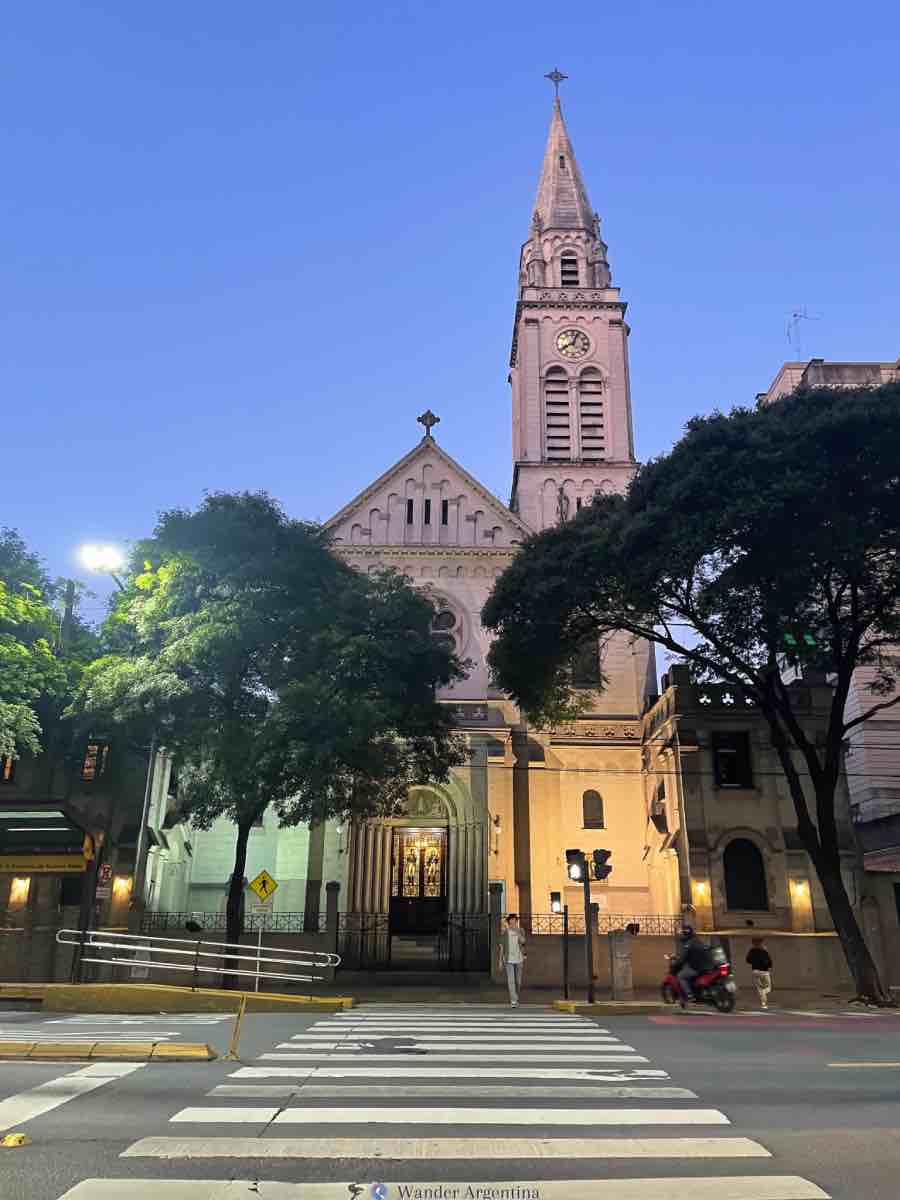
(430,443)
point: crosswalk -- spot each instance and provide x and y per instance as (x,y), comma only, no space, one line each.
(380,1091)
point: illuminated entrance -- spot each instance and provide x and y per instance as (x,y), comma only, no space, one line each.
(418,880)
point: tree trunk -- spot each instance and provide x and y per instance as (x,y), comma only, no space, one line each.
(234,909)
(859,960)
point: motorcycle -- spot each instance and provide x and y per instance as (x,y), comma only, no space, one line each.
(715,987)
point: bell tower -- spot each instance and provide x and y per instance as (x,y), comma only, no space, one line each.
(571,403)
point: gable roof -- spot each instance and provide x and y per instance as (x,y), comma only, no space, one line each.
(428,447)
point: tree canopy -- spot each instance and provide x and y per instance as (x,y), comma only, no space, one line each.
(35,678)
(759,527)
(273,672)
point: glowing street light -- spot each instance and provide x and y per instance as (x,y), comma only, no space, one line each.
(103,559)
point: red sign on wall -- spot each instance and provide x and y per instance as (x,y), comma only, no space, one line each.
(104,875)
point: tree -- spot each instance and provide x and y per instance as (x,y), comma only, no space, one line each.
(29,669)
(274,673)
(758,527)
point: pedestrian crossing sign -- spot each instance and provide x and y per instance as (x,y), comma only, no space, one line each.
(264,886)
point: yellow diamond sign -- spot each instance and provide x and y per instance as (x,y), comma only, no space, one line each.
(264,886)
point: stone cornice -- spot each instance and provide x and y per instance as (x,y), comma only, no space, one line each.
(508,552)
(560,298)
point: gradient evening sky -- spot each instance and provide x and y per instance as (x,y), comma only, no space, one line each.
(244,245)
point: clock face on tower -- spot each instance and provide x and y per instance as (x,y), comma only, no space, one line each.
(572,343)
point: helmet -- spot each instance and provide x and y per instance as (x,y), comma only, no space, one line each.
(687,931)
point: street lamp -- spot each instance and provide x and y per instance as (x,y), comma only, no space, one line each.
(104,559)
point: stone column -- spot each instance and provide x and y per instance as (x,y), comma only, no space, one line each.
(387,863)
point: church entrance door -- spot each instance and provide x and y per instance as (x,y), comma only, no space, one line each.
(418,881)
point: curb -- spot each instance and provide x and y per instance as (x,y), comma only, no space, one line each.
(153,998)
(118,1051)
(610,1008)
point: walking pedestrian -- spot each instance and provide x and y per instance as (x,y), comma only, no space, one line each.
(760,962)
(512,956)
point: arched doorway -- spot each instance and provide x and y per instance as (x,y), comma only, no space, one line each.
(745,877)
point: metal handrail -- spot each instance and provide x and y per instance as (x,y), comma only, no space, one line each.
(132,944)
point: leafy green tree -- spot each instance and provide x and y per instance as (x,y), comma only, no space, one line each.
(274,673)
(30,671)
(755,526)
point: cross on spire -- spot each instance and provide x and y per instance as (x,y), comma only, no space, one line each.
(556,77)
(429,420)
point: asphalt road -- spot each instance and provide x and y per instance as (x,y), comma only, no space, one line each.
(700,1097)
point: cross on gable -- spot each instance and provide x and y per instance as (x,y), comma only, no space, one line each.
(429,420)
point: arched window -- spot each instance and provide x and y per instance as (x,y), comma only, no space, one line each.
(592,807)
(590,414)
(556,414)
(745,876)
(446,628)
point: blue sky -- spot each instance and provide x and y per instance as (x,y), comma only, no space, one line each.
(245,245)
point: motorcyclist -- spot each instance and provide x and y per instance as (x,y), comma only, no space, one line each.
(694,957)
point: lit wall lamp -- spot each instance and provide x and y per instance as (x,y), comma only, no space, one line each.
(701,891)
(800,889)
(19,889)
(121,887)
(339,830)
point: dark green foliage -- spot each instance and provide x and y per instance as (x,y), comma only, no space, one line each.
(757,525)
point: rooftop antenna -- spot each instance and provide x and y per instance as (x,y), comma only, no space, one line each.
(793,329)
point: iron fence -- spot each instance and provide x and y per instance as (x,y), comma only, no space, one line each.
(254,922)
(364,940)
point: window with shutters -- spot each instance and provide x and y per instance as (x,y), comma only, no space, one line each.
(568,271)
(556,410)
(590,414)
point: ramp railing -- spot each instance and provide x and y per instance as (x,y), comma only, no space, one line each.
(105,948)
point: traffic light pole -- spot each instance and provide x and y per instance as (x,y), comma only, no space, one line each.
(588,931)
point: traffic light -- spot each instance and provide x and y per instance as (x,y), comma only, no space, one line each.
(575,864)
(601,863)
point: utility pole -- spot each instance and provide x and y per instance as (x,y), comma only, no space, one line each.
(65,627)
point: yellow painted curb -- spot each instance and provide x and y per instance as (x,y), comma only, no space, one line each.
(15,1049)
(109,1051)
(154,998)
(13,1140)
(57,1050)
(611,1008)
(138,1050)
(186,1051)
(22,991)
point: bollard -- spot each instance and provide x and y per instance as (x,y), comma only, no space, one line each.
(620,965)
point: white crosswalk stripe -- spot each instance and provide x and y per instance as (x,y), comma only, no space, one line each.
(513,1091)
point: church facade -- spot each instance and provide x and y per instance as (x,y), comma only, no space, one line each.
(507,817)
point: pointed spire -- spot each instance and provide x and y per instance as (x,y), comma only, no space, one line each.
(562,200)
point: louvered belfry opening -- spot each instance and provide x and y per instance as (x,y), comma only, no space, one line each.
(568,271)
(590,414)
(556,407)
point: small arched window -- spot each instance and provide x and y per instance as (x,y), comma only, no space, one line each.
(592,808)
(745,877)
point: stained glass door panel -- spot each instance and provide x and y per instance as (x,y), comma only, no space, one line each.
(418,880)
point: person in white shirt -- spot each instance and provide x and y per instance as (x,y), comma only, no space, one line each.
(512,956)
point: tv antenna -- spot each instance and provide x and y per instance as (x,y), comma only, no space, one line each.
(794,326)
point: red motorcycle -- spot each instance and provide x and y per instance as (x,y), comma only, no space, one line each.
(715,987)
